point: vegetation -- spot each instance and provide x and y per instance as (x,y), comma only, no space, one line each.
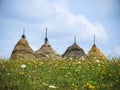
(59,74)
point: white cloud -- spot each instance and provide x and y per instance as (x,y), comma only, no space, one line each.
(61,22)
(55,15)
(76,24)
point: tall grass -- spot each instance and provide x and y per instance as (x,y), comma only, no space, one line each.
(59,75)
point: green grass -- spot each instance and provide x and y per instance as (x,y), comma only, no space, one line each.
(59,75)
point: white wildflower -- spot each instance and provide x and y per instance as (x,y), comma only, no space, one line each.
(51,86)
(99,65)
(8,74)
(79,62)
(97,61)
(23,66)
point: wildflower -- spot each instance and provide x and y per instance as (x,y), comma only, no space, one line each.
(99,65)
(75,89)
(23,66)
(78,63)
(91,87)
(51,86)
(41,63)
(8,74)
(65,75)
(43,84)
(110,75)
(97,61)
(73,84)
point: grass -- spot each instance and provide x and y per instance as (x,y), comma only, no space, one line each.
(59,75)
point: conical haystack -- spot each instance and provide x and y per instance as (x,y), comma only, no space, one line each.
(46,51)
(74,52)
(22,50)
(96,53)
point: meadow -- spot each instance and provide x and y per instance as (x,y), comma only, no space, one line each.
(59,74)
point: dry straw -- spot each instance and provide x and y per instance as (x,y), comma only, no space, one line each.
(74,51)
(46,51)
(22,50)
(96,53)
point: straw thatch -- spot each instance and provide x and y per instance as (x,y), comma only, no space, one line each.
(74,52)
(96,53)
(46,51)
(22,51)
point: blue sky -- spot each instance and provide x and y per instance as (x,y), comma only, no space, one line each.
(64,19)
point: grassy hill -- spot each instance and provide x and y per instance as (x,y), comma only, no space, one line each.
(59,75)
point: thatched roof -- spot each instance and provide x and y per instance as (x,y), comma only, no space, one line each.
(46,51)
(96,53)
(74,51)
(22,51)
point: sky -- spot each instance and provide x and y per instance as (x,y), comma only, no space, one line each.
(64,19)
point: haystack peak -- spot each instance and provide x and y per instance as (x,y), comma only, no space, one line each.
(95,52)
(46,50)
(23,36)
(74,51)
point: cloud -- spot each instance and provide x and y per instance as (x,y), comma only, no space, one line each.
(67,22)
(61,22)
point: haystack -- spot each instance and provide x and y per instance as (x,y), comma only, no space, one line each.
(22,50)
(95,53)
(46,51)
(74,52)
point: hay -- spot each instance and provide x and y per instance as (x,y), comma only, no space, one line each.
(22,51)
(46,51)
(96,53)
(74,51)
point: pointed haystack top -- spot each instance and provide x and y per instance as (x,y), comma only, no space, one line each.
(96,52)
(23,36)
(46,50)
(75,39)
(22,50)
(46,39)
(94,39)
(74,51)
